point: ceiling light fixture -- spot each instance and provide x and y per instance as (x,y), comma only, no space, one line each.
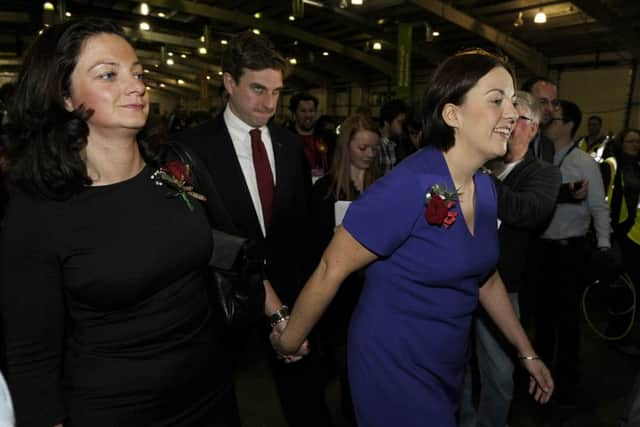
(161,15)
(202,50)
(208,77)
(144,26)
(377,46)
(144,9)
(223,41)
(257,15)
(325,53)
(293,61)
(48,6)
(161,84)
(356,2)
(180,81)
(540,18)
(256,31)
(183,55)
(67,14)
(170,61)
(435,33)
(292,18)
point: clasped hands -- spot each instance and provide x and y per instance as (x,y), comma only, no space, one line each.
(275,338)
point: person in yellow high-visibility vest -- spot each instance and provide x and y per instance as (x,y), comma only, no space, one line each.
(621,175)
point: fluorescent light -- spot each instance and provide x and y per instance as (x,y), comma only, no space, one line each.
(356,2)
(256,31)
(377,46)
(540,18)
(144,26)
(170,61)
(325,53)
(202,50)
(292,18)
(435,33)
(293,61)
(223,41)
(161,15)
(144,9)
(67,14)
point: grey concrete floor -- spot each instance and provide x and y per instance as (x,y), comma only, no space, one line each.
(607,378)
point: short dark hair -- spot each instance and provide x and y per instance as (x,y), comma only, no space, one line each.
(301,96)
(528,85)
(251,51)
(392,109)
(46,139)
(449,85)
(594,117)
(570,113)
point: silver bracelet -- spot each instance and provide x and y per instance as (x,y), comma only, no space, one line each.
(528,357)
(279,316)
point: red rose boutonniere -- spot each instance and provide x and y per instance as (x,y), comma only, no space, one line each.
(176,175)
(439,203)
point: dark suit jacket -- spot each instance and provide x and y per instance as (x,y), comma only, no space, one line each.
(542,147)
(284,244)
(526,201)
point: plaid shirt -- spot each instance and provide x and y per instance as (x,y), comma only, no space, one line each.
(387,154)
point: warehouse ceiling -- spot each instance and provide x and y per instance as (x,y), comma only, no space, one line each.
(335,42)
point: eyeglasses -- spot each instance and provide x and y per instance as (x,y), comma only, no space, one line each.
(529,119)
(544,102)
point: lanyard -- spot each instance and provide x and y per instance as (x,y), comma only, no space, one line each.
(566,154)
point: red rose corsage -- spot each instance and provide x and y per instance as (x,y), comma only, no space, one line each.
(439,206)
(176,175)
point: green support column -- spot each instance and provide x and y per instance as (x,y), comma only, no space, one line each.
(403,86)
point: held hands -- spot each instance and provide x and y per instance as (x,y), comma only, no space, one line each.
(540,382)
(275,337)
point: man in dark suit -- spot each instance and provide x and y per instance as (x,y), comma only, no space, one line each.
(527,191)
(261,174)
(545,92)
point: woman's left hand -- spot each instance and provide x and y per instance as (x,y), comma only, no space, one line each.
(540,383)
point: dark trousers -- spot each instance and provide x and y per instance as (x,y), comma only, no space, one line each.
(301,390)
(557,310)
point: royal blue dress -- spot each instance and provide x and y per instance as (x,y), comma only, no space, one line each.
(409,332)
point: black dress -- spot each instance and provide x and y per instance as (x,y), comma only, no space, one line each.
(106,312)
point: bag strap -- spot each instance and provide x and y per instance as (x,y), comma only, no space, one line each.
(217,213)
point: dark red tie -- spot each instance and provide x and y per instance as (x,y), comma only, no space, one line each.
(264,176)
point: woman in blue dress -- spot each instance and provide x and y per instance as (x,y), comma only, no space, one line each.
(428,233)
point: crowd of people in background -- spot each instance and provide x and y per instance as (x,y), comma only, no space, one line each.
(563,202)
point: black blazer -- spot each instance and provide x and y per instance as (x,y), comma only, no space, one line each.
(526,201)
(284,244)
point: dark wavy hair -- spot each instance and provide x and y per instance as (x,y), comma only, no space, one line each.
(450,84)
(44,150)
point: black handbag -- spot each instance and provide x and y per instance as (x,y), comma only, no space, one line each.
(236,266)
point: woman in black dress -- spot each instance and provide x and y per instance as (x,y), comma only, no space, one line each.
(104,302)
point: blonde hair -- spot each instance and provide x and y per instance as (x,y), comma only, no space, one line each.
(341,186)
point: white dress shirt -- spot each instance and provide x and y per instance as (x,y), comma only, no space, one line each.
(239,132)
(573,219)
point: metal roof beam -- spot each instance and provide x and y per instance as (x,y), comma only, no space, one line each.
(211,12)
(620,29)
(530,58)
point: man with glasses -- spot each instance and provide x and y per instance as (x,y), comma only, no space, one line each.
(527,190)
(563,252)
(546,93)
